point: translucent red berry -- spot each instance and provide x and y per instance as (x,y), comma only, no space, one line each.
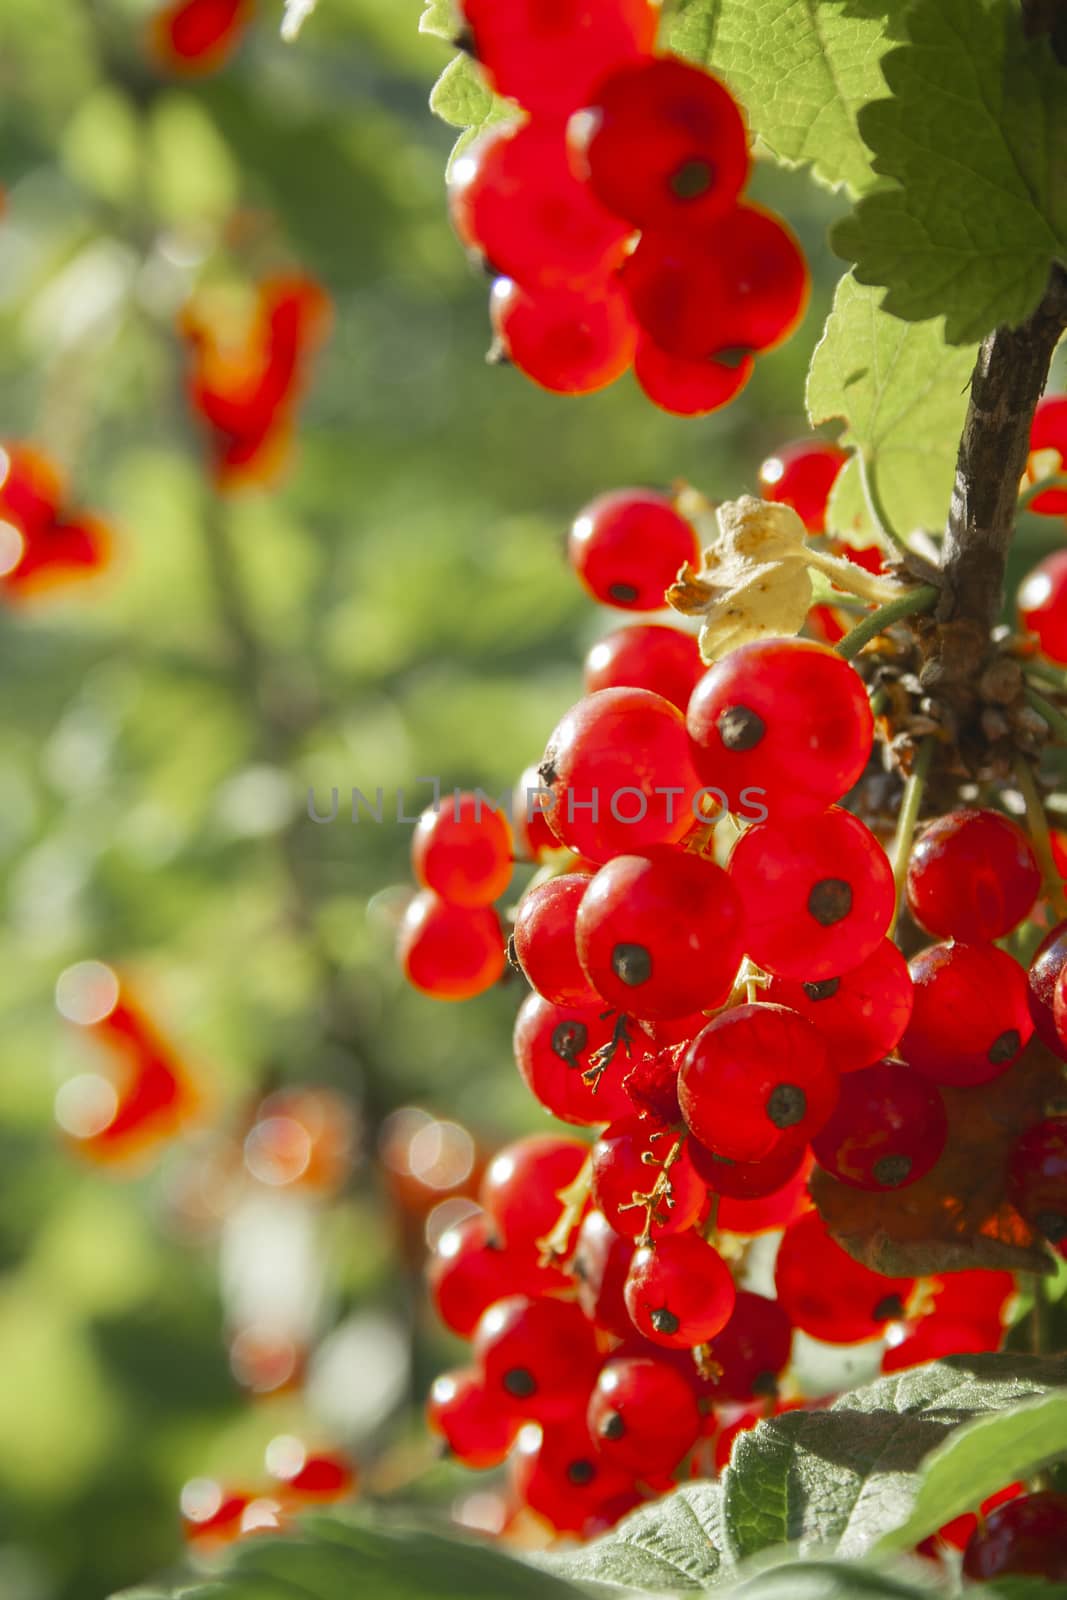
(860,1015)
(627,547)
(748,1180)
(470,1269)
(1045,970)
(555,1051)
(462,850)
(1025,1536)
(757,1074)
(888,1130)
(571,340)
(521,1187)
(1042,603)
(764,1213)
(646,656)
(538,1358)
(689,388)
(661,934)
(533,836)
(817,892)
(971,1018)
(628,1159)
(558,1472)
(600,1265)
(478,1432)
(1048,444)
(752,1350)
(643,1415)
(802,475)
(544,940)
(450,952)
(1037,1178)
(827,1294)
(197,36)
(972,876)
(786,722)
(679,1292)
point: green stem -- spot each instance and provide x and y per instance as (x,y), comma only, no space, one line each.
(910,604)
(1055,676)
(1057,722)
(875,504)
(1040,837)
(1039,1316)
(1032,490)
(908,818)
(879,702)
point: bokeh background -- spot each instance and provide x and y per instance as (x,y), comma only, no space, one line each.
(398,606)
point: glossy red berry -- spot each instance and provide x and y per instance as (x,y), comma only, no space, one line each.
(860,1015)
(661,934)
(318,1479)
(558,1472)
(934,1338)
(663,144)
(817,892)
(628,1159)
(600,1265)
(544,940)
(1037,1178)
(768,1212)
(1025,1536)
(786,722)
(689,388)
(627,547)
(1048,442)
(802,475)
(477,1432)
(462,850)
(533,836)
(555,1048)
(646,656)
(748,1180)
(1043,605)
(827,1294)
(679,1292)
(470,1269)
(643,1415)
(450,952)
(1042,979)
(971,1018)
(972,876)
(521,1187)
(538,1358)
(753,1349)
(889,1128)
(197,36)
(757,1074)
(979,1297)
(571,340)
(619,773)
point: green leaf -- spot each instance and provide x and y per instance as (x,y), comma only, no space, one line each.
(829,1580)
(439,17)
(974,140)
(980,1459)
(903,393)
(462,98)
(802,69)
(677,1545)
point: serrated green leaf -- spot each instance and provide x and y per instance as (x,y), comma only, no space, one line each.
(980,1459)
(903,393)
(676,1545)
(439,17)
(802,69)
(975,141)
(462,98)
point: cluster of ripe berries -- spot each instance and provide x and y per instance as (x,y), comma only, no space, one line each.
(191,38)
(215,1515)
(722,1024)
(612,215)
(44,543)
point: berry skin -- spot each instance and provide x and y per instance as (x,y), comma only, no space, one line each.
(752,1349)
(513,198)
(971,1019)
(1037,1178)
(888,1130)
(934,1338)
(785,718)
(533,836)
(626,1162)
(570,340)
(757,1074)
(477,1432)
(470,1270)
(1045,970)
(817,891)
(748,1180)
(559,1473)
(620,775)
(521,1187)
(1028,1535)
(679,1292)
(195,37)
(450,952)
(320,1479)
(643,1415)
(766,1213)
(663,144)
(978,1297)
(600,1264)
(689,388)
(972,876)
(538,1358)
(661,934)
(462,850)
(550,54)
(544,940)
(554,1046)
(1048,433)
(626,548)
(802,475)
(1042,603)
(827,1294)
(646,656)
(860,1015)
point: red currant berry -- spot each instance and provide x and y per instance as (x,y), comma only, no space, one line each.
(450,952)
(600,1264)
(860,1015)
(1043,605)
(1028,1535)
(661,934)
(321,1479)
(627,1161)
(978,1297)
(665,661)
(1045,970)
(571,340)
(934,1338)
(558,1472)
(652,1082)
(1048,438)
(627,547)
(211,1515)
(550,54)
(748,1180)
(620,775)
(957,1532)
(757,1074)
(544,940)
(827,1294)
(663,144)
(538,1358)
(768,1213)
(477,1432)
(679,1292)
(514,199)
(970,1019)
(533,836)
(802,475)
(817,892)
(972,876)
(1037,1178)
(689,388)
(522,1185)
(888,1130)
(753,1349)
(785,720)
(462,850)
(554,1051)
(197,36)
(470,1270)
(643,1415)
